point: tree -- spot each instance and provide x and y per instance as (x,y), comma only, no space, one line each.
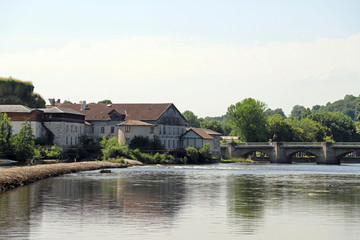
(299,112)
(249,120)
(339,125)
(24,143)
(358,124)
(106,101)
(212,125)
(192,119)
(5,135)
(280,130)
(67,102)
(13,91)
(307,130)
(269,112)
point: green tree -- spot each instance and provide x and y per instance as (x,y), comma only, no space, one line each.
(269,112)
(299,112)
(339,125)
(212,125)
(67,102)
(13,91)
(358,124)
(249,120)
(23,143)
(307,130)
(106,101)
(5,135)
(280,130)
(192,119)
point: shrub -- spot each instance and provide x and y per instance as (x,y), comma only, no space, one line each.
(192,154)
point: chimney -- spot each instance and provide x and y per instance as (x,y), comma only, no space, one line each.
(83,105)
(58,101)
(52,101)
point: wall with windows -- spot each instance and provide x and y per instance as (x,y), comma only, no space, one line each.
(66,133)
(126,133)
(99,129)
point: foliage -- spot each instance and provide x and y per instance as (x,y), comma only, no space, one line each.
(358,124)
(5,136)
(298,112)
(67,102)
(195,156)
(281,130)
(192,119)
(348,106)
(23,143)
(145,144)
(307,130)
(248,120)
(212,125)
(106,101)
(269,112)
(112,149)
(338,125)
(13,91)
(48,152)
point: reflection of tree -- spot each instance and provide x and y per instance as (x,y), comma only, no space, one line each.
(246,201)
(15,212)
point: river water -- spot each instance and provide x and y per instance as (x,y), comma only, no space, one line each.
(221,201)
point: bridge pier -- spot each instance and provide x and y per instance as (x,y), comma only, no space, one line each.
(329,155)
(279,155)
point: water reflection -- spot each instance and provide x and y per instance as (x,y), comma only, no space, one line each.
(212,202)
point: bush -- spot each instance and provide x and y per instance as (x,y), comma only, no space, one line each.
(192,155)
(47,152)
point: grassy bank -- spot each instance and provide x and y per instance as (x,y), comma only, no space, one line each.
(18,176)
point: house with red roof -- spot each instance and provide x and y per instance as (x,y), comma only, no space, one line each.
(125,121)
(197,137)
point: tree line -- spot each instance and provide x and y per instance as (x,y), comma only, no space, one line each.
(252,121)
(13,91)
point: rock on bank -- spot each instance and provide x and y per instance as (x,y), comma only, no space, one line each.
(18,176)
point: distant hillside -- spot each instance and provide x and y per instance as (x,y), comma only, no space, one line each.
(13,91)
(349,106)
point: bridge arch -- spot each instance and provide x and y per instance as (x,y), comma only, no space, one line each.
(263,154)
(311,155)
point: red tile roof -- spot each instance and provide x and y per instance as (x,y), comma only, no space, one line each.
(201,132)
(133,111)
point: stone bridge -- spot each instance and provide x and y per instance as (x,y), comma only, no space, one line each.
(282,152)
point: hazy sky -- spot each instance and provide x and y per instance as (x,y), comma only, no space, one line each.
(202,55)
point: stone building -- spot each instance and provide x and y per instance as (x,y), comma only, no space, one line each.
(65,125)
(135,119)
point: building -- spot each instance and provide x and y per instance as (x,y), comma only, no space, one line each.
(125,121)
(197,137)
(65,126)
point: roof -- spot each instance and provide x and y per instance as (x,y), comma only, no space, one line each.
(133,111)
(201,132)
(135,123)
(15,108)
(60,110)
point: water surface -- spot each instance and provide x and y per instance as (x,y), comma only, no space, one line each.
(222,201)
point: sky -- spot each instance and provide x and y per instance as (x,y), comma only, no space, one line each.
(201,55)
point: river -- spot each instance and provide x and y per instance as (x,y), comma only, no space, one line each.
(220,201)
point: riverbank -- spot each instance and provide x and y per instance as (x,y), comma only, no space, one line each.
(17,176)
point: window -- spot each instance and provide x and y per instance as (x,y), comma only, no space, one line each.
(127,128)
(159,130)
(92,129)
(67,128)
(178,130)
(173,143)
(102,130)
(169,144)
(182,131)
(151,130)
(164,130)
(173,131)
(71,128)
(169,131)
(76,129)
(67,140)
(112,129)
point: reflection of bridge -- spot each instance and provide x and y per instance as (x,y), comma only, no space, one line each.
(282,152)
